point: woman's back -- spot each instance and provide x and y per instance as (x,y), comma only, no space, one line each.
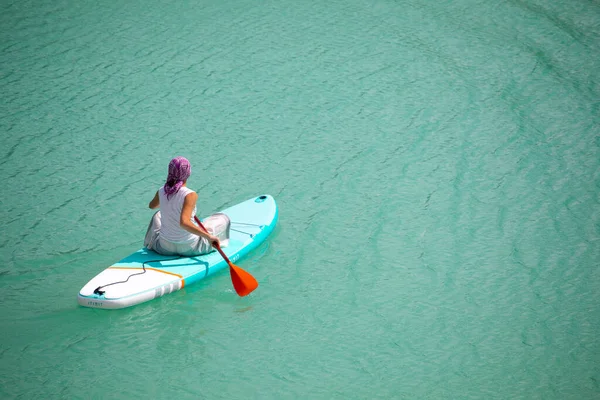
(172,230)
(170,210)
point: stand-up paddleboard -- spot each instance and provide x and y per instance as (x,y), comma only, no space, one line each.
(146,275)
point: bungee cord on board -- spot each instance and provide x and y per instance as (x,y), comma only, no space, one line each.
(246,224)
(100,292)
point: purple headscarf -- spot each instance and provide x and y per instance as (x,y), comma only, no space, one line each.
(179,170)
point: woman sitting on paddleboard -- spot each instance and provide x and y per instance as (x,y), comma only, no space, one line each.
(172,230)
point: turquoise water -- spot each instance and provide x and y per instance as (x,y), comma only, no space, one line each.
(436,165)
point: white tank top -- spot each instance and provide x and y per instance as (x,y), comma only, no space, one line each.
(170,211)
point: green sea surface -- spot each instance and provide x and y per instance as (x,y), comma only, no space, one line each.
(436,166)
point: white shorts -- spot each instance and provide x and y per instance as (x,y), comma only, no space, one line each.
(217,225)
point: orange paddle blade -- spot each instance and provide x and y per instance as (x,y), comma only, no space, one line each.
(243,282)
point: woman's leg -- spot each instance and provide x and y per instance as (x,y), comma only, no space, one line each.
(217,225)
(152,232)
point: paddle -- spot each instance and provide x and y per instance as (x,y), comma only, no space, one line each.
(243,282)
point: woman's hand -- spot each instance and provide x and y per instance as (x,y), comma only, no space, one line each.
(213,239)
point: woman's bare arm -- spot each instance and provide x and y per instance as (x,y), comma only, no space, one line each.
(186,218)
(155,203)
